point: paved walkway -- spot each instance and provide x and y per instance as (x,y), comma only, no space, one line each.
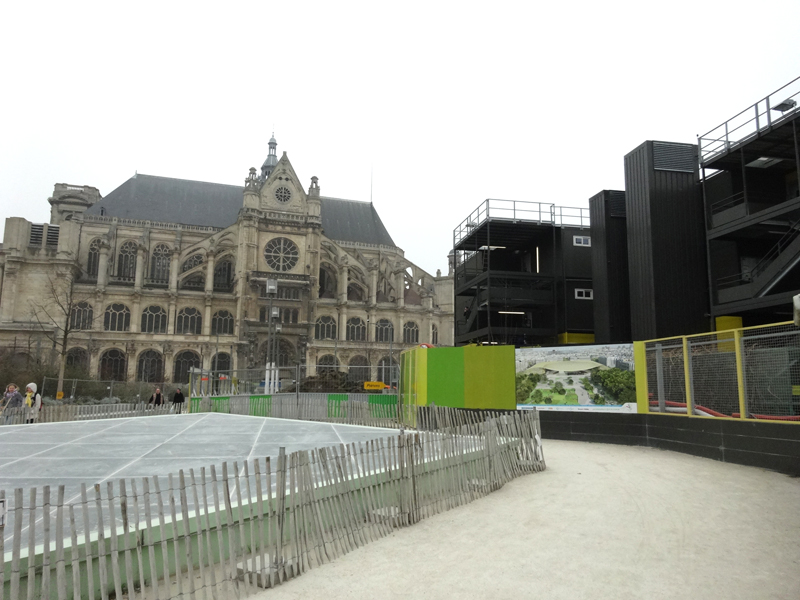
(603,522)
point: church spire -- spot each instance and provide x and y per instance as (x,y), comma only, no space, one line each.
(272,159)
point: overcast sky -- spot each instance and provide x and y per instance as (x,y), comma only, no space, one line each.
(445,103)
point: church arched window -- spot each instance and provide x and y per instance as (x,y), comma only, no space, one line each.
(154,320)
(384,331)
(150,367)
(93,262)
(222,323)
(189,321)
(159,264)
(410,333)
(325,328)
(126,261)
(223,276)
(117,318)
(82,316)
(327,282)
(356,330)
(113,365)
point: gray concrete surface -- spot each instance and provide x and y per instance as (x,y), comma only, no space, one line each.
(603,522)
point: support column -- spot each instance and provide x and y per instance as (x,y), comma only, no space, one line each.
(342,329)
(344,277)
(373,287)
(9,293)
(136,312)
(400,288)
(138,279)
(102,265)
(207,316)
(171,317)
(370,326)
(173,272)
(210,266)
(130,354)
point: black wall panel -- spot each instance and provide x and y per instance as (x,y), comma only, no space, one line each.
(774,446)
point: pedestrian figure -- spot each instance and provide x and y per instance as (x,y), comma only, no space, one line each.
(12,399)
(157,399)
(33,403)
(177,400)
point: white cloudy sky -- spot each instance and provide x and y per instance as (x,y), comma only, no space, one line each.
(447,103)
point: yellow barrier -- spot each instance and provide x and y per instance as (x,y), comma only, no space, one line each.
(745,373)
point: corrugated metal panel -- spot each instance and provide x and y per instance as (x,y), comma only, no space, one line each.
(674,157)
(616,203)
(612,315)
(666,248)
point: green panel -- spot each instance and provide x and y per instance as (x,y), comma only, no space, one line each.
(446,377)
(335,405)
(222,404)
(489,377)
(260,406)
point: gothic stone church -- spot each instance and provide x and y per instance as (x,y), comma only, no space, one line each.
(168,274)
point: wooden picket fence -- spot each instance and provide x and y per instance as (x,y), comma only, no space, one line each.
(228,534)
(82,412)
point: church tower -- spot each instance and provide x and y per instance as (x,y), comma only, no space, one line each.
(272,159)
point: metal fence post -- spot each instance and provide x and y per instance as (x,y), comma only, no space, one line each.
(662,400)
(687,376)
(737,339)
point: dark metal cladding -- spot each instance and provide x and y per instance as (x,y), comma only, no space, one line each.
(666,246)
(612,312)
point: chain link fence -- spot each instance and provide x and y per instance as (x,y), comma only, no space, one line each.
(751,373)
(93,391)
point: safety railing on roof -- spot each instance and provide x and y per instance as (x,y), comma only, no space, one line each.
(762,116)
(154,224)
(517,210)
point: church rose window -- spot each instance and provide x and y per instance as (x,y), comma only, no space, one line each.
(281,254)
(283,195)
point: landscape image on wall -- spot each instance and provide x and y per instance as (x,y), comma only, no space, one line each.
(599,375)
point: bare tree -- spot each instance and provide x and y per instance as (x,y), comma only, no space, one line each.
(58,314)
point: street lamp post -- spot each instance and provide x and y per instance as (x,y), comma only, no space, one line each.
(272,291)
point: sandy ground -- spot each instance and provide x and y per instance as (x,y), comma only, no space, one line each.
(602,522)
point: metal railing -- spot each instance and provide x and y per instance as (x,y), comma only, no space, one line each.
(746,277)
(749,373)
(518,210)
(751,122)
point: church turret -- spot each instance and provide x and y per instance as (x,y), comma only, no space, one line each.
(272,159)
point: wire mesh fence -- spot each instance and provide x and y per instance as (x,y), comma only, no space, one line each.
(94,391)
(751,373)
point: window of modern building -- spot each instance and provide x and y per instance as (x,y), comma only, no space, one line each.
(150,367)
(222,323)
(126,261)
(82,316)
(356,330)
(113,365)
(581,240)
(384,331)
(154,320)
(93,261)
(410,333)
(325,328)
(583,294)
(160,260)
(117,318)
(189,321)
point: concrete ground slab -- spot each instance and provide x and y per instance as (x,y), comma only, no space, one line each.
(602,522)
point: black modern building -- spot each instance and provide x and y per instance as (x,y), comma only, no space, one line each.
(612,308)
(750,168)
(523,275)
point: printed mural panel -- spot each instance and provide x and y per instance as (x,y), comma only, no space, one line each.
(566,377)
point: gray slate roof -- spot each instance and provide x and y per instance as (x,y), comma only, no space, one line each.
(168,200)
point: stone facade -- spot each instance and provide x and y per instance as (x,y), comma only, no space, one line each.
(152,298)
